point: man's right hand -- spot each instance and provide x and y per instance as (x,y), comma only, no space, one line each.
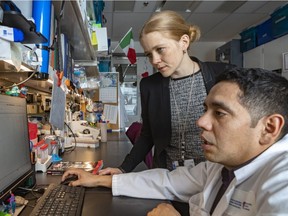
(110,171)
(164,209)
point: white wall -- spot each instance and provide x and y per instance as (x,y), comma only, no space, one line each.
(205,51)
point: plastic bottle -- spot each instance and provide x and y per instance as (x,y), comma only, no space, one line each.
(44,153)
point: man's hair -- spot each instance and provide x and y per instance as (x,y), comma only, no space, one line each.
(263,92)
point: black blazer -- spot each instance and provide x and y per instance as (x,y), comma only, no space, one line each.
(156,115)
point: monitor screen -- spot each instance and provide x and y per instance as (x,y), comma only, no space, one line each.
(15,163)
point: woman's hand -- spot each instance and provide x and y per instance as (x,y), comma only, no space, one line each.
(164,209)
(110,171)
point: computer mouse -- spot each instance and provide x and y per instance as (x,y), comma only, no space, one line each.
(69,179)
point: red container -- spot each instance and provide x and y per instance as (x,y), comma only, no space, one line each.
(32,130)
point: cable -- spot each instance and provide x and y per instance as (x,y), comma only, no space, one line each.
(70,150)
(38,190)
(35,192)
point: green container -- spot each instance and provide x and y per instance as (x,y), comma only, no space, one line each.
(280,22)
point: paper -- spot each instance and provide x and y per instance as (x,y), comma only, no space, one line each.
(108,87)
(58,103)
(101,34)
(108,95)
(110,113)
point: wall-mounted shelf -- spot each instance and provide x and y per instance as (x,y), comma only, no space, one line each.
(17,20)
(9,78)
(73,26)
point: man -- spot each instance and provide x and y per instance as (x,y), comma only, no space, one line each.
(244,140)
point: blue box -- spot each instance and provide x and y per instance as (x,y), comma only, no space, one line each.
(264,32)
(104,66)
(280,21)
(248,39)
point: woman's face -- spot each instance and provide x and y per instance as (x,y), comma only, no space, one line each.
(164,53)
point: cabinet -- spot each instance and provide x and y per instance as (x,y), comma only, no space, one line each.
(74,26)
(230,53)
(268,56)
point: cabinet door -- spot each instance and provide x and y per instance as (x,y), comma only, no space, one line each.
(273,53)
(254,58)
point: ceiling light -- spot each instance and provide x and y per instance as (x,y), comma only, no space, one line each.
(159,8)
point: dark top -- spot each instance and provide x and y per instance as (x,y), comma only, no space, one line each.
(156,115)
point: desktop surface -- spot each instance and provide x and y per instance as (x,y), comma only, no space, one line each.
(99,201)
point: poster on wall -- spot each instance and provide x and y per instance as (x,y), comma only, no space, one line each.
(108,87)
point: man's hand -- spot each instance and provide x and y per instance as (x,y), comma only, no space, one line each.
(164,209)
(87,179)
(110,171)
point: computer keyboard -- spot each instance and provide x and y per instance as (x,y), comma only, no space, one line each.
(60,199)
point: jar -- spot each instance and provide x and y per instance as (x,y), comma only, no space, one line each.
(44,153)
(37,147)
(54,147)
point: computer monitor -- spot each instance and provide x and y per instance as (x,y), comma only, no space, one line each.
(15,162)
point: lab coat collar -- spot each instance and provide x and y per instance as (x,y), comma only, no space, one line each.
(273,151)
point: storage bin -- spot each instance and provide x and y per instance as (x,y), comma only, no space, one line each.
(264,32)
(104,66)
(280,21)
(248,39)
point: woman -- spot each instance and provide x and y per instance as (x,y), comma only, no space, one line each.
(172,99)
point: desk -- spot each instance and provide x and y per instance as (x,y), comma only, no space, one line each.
(99,201)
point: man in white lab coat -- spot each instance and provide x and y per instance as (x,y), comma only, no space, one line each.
(244,131)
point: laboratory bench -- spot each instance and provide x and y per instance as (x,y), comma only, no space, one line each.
(99,201)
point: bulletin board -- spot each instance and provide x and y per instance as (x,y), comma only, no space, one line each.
(108,95)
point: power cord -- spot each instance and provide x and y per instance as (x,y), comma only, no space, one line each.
(74,136)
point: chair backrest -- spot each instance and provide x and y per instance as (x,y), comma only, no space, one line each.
(133,132)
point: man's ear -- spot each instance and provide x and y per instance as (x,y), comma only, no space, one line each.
(273,125)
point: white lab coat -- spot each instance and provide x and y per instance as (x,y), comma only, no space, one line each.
(259,188)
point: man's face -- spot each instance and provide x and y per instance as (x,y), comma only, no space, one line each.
(226,127)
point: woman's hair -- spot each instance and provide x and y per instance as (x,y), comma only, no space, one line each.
(172,24)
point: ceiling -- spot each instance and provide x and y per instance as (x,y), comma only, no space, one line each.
(219,21)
